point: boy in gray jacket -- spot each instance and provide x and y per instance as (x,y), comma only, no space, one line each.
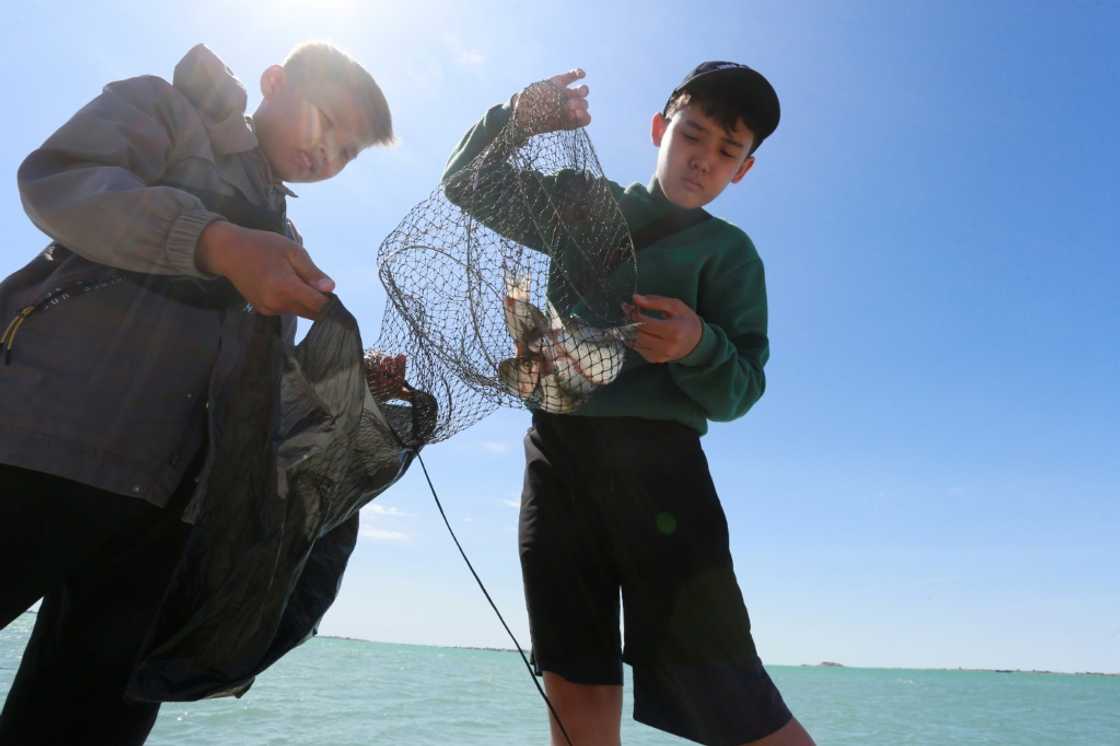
(165,204)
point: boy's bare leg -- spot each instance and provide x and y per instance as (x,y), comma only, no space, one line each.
(592,714)
(790,734)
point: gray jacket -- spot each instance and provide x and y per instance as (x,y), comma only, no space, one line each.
(106,381)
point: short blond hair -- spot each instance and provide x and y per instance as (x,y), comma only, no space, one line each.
(313,63)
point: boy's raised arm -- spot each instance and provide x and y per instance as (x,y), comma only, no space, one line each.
(485,192)
(563,108)
(92,186)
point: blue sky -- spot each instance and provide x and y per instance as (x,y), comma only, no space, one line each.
(932,476)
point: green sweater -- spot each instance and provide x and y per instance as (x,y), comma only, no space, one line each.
(714,268)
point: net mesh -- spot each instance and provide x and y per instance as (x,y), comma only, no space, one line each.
(505,286)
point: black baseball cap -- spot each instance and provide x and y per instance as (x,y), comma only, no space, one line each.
(758,97)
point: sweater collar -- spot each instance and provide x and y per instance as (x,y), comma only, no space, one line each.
(650,204)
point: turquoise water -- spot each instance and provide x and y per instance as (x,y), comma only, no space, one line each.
(343,692)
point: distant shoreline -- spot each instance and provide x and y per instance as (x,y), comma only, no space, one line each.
(832,664)
(822,664)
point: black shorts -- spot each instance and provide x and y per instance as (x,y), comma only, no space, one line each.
(623,505)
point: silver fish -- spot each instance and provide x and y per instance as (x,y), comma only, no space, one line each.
(527,326)
(523,377)
(585,357)
(524,321)
(520,375)
(555,397)
(559,362)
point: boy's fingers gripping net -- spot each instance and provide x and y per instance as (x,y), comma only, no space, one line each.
(507,284)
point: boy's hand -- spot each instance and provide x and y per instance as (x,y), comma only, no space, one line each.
(551,105)
(385,376)
(274,274)
(669,336)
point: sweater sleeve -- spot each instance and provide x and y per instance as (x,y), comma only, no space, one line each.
(504,192)
(92,186)
(477,139)
(723,374)
(487,191)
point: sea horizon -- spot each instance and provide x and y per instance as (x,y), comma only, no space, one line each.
(349,691)
(821,664)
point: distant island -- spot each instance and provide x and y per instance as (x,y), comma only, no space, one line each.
(834,664)
(1030,670)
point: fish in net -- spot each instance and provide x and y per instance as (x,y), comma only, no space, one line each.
(506,285)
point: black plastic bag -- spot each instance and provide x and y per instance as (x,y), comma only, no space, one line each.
(298,445)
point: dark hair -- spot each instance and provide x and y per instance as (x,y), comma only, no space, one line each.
(315,63)
(718,101)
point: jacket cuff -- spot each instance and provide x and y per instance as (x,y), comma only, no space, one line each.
(704,350)
(182,240)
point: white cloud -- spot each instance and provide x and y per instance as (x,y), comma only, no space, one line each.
(386,510)
(375,513)
(379,534)
(495,446)
(464,55)
(426,77)
(471,57)
(515,504)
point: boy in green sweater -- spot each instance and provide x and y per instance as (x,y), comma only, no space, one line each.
(617,496)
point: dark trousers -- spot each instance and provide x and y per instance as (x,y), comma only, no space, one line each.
(101,563)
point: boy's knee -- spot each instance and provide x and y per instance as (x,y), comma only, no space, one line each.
(590,695)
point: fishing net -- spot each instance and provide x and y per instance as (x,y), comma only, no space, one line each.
(505,286)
